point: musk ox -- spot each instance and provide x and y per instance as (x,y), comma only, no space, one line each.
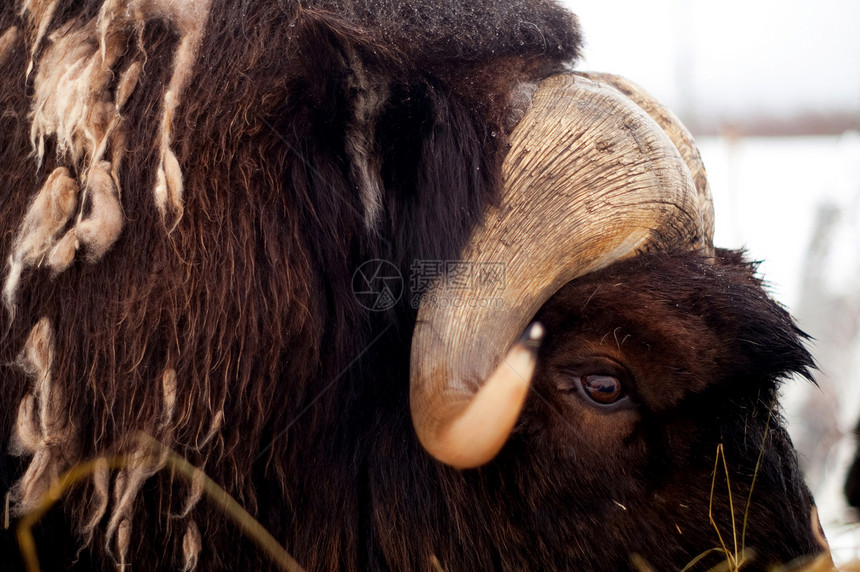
(188,189)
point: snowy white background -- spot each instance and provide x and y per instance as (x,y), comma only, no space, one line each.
(793,202)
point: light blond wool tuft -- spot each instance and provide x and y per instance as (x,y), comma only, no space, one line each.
(101,486)
(139,467)
(43,428)
(71,100)
(49,213)
(102,227)
(192,544)
(41,13)
(8,39)
(63,253)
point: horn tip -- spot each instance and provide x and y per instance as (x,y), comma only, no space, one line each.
(477,431)
(533,336)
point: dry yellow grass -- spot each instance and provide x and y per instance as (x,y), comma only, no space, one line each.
(160,456)
(735,560)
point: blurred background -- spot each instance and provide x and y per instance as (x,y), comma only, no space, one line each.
(771,91)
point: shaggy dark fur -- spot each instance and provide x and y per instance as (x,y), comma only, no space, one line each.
(249,297)
(291,395)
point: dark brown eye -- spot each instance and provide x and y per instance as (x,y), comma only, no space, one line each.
(602,389)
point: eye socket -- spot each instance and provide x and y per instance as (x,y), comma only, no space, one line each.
(602,389)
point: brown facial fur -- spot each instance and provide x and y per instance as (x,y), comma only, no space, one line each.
(700,350)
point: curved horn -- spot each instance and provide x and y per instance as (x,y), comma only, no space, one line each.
(677,133)
(590,179)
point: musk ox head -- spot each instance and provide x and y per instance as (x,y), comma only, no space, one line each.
(655,394)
